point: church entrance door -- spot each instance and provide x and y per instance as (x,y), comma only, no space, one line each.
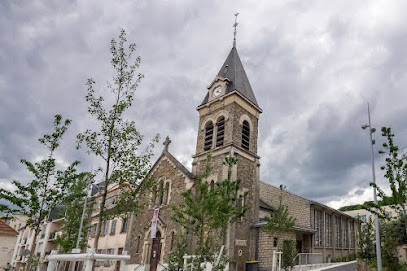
(155,252)
(299,246)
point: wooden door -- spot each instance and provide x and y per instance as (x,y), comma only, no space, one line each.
(299,246)
(240,256)
(155,252)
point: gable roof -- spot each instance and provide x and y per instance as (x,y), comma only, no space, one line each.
(173,160)
(233,70)
(6,229)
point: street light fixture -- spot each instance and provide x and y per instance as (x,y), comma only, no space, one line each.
(372,142)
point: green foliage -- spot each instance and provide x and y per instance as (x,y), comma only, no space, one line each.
(45,191)
(280,219)
(206,211)
(367,241)
(73,209)
(393,234)
(367,205)
(176,260)
(289,253)
(117,141)
(395,171)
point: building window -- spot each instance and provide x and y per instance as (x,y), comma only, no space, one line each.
(351,236)
(161,192)
(362,218)
(208,136)
(124,225)
(338,231)
(138,244)
(105,228)
(318,227)
(345,231)
(212,185)
(275,241)
(328,230)
(166,192)
(172,240)
(93,230)
(113,227)
(220,131)
(245,135)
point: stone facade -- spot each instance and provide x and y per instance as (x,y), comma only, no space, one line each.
(230,98)
(139,241)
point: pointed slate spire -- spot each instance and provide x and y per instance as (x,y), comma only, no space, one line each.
(233,70)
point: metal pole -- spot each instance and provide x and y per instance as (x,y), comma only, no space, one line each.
(378,248)
(81,224)
(78,240)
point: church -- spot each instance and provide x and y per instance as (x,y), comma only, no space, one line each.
(228,126)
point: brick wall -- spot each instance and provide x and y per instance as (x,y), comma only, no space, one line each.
(298,207)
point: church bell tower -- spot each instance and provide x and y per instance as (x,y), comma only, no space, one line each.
(228,126)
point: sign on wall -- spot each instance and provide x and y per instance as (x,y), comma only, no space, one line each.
(154,223)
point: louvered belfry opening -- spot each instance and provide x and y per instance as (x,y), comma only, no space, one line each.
(245,135)
(220,131)
(208,136)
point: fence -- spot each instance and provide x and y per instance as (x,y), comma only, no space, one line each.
(82,261)
(308,259)
(276,264)
(189,262)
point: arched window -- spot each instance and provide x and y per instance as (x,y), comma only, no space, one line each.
(208,136)
(166,193)
(161,193)
(220,131)
(172,240)
(154,197)
(245,135)
(212,185)
(138,244)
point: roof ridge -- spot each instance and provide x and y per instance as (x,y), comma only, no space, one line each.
(179,164)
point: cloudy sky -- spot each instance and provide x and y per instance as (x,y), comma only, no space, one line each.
(313,66)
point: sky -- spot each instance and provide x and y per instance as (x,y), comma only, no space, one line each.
(313,66)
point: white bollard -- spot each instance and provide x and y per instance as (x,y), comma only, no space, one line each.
(89,262)
(123,262)
(52,264)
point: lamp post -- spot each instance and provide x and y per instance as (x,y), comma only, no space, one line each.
(372,142)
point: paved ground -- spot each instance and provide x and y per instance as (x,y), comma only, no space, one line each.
(351,266)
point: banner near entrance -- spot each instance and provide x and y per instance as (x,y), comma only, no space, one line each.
(154,223)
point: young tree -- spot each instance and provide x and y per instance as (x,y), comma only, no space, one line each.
(206,212)
(289,253)
(73,209)
(117,141)
(367,247)
(280,220)
(395,171)
(45,191)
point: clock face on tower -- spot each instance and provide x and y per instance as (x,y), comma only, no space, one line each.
(216,92)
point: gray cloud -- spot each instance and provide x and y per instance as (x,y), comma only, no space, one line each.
(312,64)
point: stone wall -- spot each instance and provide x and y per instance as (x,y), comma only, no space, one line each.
(266,247)
(140,227)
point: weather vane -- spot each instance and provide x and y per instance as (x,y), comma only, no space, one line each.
(235,26)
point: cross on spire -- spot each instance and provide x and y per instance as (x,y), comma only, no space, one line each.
(166,143)
(234,33)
